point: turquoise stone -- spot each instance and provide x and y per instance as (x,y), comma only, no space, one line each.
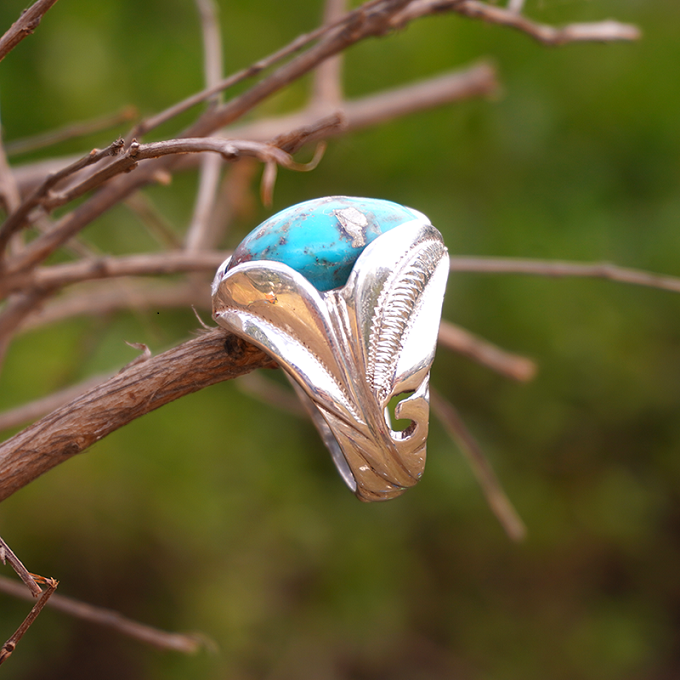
(322,238)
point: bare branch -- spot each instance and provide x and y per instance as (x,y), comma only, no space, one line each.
(70,224)
(327,84)
(234,198)
(154,221)
(18,307)
(24,26)
(602,31)
(369,20)
(472,346)
(9,646)
(229,149)
(208,359)
(188,644)
(558,269)
(477,80)
(80,129)
(212,43)
(165,262)
(209,176)
(19,216)
(7,555)
(481,467)
(515,6)
(40,407)
(255,69)
(9,189)
(102,298)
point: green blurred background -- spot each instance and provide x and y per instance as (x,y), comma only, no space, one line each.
(220,514)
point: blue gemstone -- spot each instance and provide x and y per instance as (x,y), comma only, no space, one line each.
(322,238)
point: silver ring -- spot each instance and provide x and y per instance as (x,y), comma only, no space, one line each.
(353,350)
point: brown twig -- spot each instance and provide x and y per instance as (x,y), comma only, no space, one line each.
(72,223)
(40,407)
(166,262)
(9,189)
(234,199)
(71,131)
(9,646)
(477,80)
(108,618)
(127,396)
(229,149)
(24,26)
(327,91)
(481,467)
(19,216)
(18,307)
(7,555)
(601,31)
(103,298)
(459,340)
(369,20)
(558,269)
(154,221)
(211,165)
(296,45)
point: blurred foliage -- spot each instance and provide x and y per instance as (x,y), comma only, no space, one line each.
(220,514)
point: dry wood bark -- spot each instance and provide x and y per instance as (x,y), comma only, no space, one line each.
(210,358)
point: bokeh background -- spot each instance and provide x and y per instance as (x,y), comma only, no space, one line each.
(221,514)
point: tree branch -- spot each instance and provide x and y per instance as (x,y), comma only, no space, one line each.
(24,26)
(601,31)
(558,269)
(212,357)
(70,131)
(481,467)
(478,349)
(188,644)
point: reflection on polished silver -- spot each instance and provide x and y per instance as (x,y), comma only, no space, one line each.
(350,351)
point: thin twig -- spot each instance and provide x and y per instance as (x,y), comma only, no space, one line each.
(70,131)
(327,92)
(211,166)
(368,20)
(299,43)
(40,407)
(212,44)
(72,223)
(104,297)
(477,80)
(229,149)
(9,646)
(601,31)
(109,618)
(144,264)
(459,340)
(24,26)
(19,216)
(18,307)
(7,555)
(153,219)
(481,467)
(191,366)
(558,269)
(234,199)
(9,189)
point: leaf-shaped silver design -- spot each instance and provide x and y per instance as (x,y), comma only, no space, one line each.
(349,351)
